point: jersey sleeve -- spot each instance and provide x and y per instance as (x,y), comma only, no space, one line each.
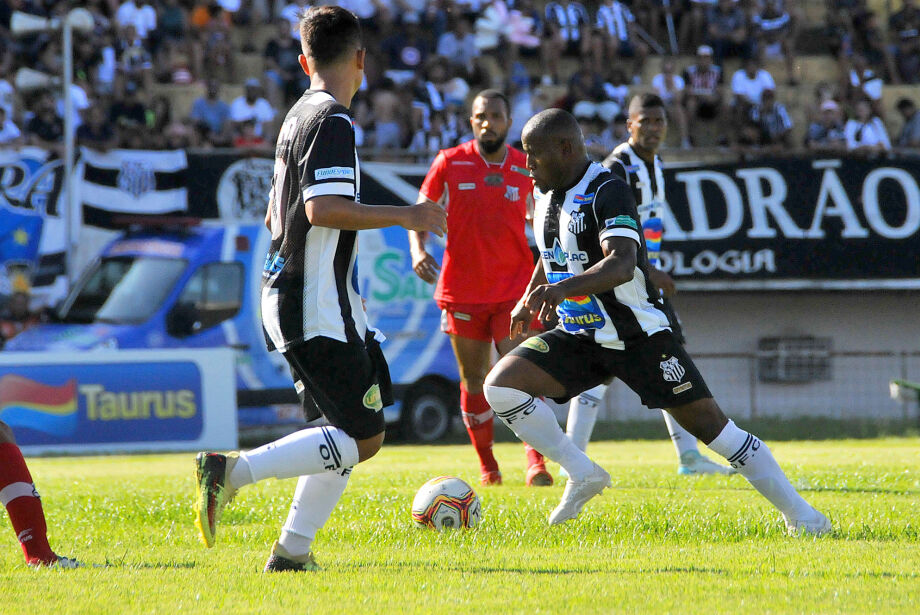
(615,211)
(433,187)
(328,160)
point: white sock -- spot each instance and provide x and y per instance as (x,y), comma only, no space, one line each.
(755,462)
(314,500)
(683,440)
(308,451)
(583,412)
(534,423)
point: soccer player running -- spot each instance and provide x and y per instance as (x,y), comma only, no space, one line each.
(311,310)
(24,506)
(637,163)
(611,324)
(487,262)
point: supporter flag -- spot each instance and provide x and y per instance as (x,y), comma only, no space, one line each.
(132,182)
(19,237)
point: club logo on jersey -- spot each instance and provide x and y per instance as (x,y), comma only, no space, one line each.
(512,193)
(622,220)
(334,173)
(672,370)
(561,257)
(577,223)
(583,199)
(372,399)
(535,343)
(494,179)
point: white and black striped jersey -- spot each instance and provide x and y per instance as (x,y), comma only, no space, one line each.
(569,18)
(569,227)
(647,184)
(309,281)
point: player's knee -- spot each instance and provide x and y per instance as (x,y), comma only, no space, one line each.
(6,434)
(368,447)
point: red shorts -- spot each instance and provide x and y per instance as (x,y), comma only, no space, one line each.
(487,322)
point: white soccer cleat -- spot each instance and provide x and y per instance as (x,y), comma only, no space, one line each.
(577,493)
(818,525)
(693,462)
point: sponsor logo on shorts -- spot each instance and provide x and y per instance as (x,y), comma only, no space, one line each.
(466,186)
(682,387)
(461,316)
(372,399)
(536,343)
(672,370)
(621,221)
(334,173)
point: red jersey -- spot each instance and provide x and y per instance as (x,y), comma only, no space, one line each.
(486,259)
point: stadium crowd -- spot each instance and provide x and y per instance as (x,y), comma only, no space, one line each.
(425,57)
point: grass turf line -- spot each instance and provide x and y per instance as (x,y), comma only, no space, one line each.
(655,543)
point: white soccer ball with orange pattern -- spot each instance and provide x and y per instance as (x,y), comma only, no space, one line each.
(446,502)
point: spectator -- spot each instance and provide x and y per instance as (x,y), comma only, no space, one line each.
(218,53)
(246,136)
(584,85)
(865,133)
(129,116)
(616,38)
(864,83)
(727,31)
(458,45)
(871,43)
(251,106)
(134,61)
(17,317)
(773,29)
(826,135)
(619,132)
(670,87)
(749,82)
(386,114)
(703,94)
(96,132)
(616,87)
(406,50)
(774,122)
(9,131)
(142,17)
(904,28)
(586,114)
(286,79)
(46,128)
(694,24)
(210,115)
(567,32)
(909,136)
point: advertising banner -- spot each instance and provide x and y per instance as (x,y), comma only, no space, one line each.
(120,401)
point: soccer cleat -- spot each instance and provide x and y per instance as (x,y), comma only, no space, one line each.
(692,462)
(819,525)
(538,476)
(64,563)
(493,478)
(282,561)
(213,492)
(577,493)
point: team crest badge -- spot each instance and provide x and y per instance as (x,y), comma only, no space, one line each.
(577,223)
(672,370)
(512,193)
(136,178)
(372,399)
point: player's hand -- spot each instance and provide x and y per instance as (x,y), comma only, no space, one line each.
(521,317)
(544,299)
(662,281)
(425,266)
(426,217)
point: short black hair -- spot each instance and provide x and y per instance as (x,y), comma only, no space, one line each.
(647,100)
(328,33)
(905,103)
(490,94)
(552,123)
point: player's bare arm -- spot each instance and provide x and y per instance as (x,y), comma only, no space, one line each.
(617,267)
(522,315)
(339,212)
(423,263)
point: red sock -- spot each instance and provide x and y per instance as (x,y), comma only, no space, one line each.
(533,456)
(18,494)
(478,418)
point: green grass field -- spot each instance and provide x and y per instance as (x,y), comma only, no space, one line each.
(655,543)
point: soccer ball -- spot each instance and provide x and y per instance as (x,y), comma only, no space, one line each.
(446,502)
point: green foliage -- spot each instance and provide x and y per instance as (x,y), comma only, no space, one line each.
(655,543)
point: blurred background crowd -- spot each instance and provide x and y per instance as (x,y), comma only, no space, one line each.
(746,76)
